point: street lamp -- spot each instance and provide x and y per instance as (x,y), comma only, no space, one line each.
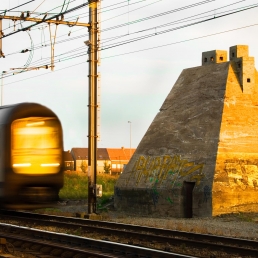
(130,137)
(2,87)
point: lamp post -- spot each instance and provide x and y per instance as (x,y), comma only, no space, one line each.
(2,87)
(130,136)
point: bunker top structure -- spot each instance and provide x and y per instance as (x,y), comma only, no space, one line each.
(199,156)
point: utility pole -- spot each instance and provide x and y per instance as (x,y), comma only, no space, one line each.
(1,35)
(93,106)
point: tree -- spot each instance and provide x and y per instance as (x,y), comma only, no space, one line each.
(83,166)
(107,167)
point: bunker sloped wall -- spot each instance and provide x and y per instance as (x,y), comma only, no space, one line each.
(171,173)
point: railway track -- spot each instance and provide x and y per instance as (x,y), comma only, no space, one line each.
(49,244)
(167,241)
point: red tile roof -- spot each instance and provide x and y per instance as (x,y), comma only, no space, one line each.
(120,154)
(82,153)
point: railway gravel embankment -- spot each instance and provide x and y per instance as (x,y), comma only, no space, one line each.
(239,225)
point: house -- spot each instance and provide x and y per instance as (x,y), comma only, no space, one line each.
(119,158)
(109,160)
(68,161)
(80,156)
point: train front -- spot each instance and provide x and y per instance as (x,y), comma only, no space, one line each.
(36,157)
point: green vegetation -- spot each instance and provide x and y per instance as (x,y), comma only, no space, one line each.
(76,186)
(83,166)
(107,167)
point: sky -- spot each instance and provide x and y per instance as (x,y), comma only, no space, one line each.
(145,45)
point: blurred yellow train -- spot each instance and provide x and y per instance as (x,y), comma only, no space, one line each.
(31,156)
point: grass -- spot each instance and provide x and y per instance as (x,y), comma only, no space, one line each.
(76,186)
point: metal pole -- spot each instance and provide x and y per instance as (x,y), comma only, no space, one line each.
(92,123)
(2,88)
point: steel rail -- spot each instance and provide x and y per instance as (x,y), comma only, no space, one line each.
(224,244)
(81,245)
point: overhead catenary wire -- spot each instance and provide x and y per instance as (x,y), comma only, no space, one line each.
(180,27)
(171,11)
(117,37)
(159,33)
(44,20)
(16,7)
(158,15)
(137,51)
(173,29)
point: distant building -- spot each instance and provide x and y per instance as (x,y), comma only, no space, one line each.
(119,158)
(109,160)
(68,161)
(80,156)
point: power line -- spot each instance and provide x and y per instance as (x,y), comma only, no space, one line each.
(175,10)
(176,28)
(158,15)
(135,39)
(17,6)
(141,50)
(117,37)
(132,40)
(182,41)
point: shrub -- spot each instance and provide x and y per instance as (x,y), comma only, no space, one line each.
(76,185)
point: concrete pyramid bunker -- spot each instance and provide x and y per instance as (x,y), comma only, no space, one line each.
(199,157)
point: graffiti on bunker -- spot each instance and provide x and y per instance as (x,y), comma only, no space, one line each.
(159,172)
(163,167)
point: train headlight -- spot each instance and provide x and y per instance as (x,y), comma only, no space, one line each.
(22,165)
(50,165)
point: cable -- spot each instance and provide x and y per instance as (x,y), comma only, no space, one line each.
(169,30)
(182,41)
(154,16)
(41,14)
(158,15)
(132,10)
(141,50)
(132,40)
(38,6)
(52,17)
(187,18)
(16,7)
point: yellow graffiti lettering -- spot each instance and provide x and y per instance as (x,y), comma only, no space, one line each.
(141,163)
(197,178)
(156,165)
(190,171)
(159,167)
(165,167)
(148,168)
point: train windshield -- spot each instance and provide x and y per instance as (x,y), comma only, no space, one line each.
(36,145)
(35,133)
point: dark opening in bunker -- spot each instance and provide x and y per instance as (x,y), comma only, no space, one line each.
(188,199)
(248,80)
